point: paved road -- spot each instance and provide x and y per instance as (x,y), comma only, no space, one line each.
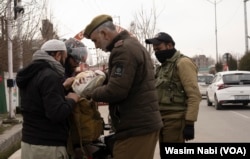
(228,125)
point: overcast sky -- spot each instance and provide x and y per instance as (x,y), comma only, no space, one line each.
(191,23)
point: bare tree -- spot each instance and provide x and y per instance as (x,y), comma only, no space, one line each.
(144,25)
(2,7)
(31,31)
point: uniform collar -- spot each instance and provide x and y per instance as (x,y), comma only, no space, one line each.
(122,35)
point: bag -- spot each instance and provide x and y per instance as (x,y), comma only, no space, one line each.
(86,125)
(87,81)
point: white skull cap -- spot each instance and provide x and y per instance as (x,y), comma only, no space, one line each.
(54,45)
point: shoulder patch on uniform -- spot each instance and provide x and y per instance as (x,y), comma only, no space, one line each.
(118,70)
(118,43)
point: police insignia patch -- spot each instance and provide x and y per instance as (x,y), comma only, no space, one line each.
(118,70)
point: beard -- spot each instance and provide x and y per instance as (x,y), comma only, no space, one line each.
(62,62)
(103,43)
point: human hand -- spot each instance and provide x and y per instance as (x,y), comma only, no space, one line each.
(73,96)
(68,82)
(188,132)
(87,94)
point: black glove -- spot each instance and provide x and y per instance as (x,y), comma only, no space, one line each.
(188,132)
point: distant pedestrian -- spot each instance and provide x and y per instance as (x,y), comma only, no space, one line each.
(130,90)
(44,107)
(178,92)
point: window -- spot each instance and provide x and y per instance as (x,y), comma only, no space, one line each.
(236,79)
(205,78)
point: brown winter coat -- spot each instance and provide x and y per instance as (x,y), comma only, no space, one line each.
(130,91)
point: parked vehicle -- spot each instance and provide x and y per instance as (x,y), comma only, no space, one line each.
(229,87)
(203,82)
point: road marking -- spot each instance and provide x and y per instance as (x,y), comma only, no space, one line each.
(244,116)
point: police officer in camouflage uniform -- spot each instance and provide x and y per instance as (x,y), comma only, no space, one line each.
(179,96)
(130,90)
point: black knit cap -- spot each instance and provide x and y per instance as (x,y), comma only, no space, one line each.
(159,38)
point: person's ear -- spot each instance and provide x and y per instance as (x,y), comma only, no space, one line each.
(169,46)
(104,33)
(58,56)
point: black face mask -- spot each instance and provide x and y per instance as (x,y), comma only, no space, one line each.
(162,55)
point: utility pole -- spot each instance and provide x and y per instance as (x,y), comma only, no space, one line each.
(246,29)
(10,80)
(18,10)
(216,40)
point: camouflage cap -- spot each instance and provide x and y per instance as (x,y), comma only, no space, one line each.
(96,22)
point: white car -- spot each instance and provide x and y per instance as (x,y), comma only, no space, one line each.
(203,82)
(229,87)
